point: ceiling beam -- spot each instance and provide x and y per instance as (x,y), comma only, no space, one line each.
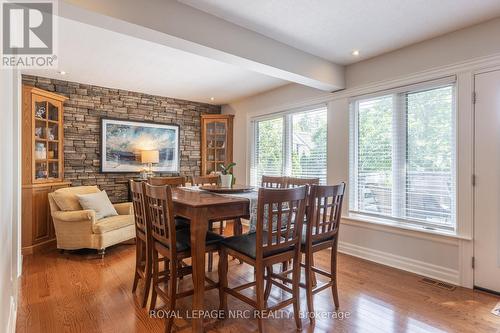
(179,26)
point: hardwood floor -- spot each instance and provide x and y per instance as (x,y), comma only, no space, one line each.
(76,292)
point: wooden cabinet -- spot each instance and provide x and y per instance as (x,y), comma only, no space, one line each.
(216,142)
(42,165)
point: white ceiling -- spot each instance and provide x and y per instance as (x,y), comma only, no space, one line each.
(332,29)
(101,57)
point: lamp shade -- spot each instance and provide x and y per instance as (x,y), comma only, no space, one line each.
(150,156)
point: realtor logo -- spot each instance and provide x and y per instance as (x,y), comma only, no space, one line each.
(28,34)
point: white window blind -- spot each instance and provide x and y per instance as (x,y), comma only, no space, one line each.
(402,163)
(290,144)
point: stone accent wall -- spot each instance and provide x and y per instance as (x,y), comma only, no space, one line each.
(86,106)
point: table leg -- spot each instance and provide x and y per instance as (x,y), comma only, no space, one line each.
(199,226)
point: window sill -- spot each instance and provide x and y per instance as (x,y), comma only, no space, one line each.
(399,228)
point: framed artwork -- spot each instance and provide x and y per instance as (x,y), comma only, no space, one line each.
(122,142)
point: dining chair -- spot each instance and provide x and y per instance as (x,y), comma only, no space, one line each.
(173,245)
(321,232)
(275,241)
(273,182)
(291,182)
(209,180)
(172,181)
(205,180)
(143,253)
(176,181)
(143,245)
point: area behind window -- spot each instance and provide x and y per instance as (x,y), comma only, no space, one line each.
(402,164)
(290,144)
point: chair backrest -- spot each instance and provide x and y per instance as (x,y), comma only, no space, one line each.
(292,182)
(205,180)
(280,213)
(324,212)
(273,182)
(160,210)
(66,198)
(139,203)
(171,181)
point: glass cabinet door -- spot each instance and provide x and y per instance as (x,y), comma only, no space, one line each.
(216,141)
(47,144)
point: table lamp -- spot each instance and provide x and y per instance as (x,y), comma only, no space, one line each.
(150,157)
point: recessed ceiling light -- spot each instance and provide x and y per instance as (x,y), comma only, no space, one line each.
(212,99)
(62,72)
(355,53)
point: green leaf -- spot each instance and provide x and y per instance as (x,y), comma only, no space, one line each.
(226,169)
(230,166)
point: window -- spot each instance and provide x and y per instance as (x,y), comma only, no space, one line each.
(402,163)
(291,144)
(269,147)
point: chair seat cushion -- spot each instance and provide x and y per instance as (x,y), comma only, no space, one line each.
(183,239)
(246,244)
(112,223)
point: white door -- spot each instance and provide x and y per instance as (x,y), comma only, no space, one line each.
(487,189)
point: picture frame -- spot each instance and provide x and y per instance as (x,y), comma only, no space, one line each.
(123,140)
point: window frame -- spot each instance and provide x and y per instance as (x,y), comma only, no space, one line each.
(287,140)
(399,158)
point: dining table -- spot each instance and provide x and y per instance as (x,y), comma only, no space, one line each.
(200,207)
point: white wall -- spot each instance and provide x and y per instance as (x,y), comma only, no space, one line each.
(478,41)
(271,101)
(460,53)
(9,212)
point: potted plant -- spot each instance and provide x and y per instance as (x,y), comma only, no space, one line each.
(226,177)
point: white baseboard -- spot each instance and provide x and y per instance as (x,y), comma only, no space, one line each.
(11,325)
(407,264)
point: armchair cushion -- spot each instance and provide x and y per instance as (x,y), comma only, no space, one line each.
(124,208)
(99,202)
(67,200)
(112,223)
(75,216)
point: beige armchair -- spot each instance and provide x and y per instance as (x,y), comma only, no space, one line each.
(76,228)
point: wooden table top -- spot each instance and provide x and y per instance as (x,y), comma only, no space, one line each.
(198,199)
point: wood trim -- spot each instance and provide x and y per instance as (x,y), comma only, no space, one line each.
(61,184)
(217,116)
(27,142)
(42,247)
(45,93)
